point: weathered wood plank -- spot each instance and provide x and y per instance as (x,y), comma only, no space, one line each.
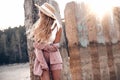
(102,52)
(64,53)
(116,47)
(116,54)
(100,35)
(111,62)
(106,30)
(70,23)
(86,64)
(116,18)
(105,25)
(93,47)
(73,43)
(91,25)
(81,14)
(93,50)
(114,31)
(103,62)
(118,71)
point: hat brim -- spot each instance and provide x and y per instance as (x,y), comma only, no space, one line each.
(50,14)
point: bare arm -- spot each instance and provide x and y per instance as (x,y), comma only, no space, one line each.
(58,36)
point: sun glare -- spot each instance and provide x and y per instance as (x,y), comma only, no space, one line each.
(100,7)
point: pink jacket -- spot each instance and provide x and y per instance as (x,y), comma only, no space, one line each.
(40,62)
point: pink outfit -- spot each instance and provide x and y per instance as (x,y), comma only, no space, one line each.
(45,56)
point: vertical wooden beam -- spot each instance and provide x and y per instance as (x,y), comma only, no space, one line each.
(102,52)
(118,71)
(73,43)
(93,46)
(116,47)
(116,18)
(116,55)
(91,24)
(93,50)
(103,62)
(81,14)
(86,65)
(111,62)
(64,53)
(106,29)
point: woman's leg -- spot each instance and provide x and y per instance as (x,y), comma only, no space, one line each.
(45,75)
(56,74)
(56,71)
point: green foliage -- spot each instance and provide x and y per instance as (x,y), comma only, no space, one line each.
(13,45)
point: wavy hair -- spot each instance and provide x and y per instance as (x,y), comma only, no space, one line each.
(43,30)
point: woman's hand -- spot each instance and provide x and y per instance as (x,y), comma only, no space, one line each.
(39,45)
(51,48)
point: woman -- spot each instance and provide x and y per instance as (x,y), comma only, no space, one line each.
(47,36)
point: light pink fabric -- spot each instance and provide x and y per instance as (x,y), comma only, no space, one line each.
(40,62)
(56,66)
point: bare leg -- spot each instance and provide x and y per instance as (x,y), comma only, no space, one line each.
(45,75)
(56,74)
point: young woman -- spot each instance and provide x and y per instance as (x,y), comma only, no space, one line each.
(47,34)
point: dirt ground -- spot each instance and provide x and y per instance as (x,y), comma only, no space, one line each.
(15,72)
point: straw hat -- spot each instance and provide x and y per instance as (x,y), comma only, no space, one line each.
(47,9)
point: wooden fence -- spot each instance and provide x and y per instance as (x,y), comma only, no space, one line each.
(93,45)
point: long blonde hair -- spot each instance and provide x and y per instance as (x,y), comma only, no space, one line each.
(43,30)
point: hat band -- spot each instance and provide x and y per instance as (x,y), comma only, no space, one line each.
(44,7)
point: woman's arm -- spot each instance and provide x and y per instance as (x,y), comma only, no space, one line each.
(58,36)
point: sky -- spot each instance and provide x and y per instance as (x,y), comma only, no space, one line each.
(12,11)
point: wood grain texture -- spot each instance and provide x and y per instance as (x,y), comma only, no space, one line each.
(93,50)
(73,43)
(103,59)
(65,57)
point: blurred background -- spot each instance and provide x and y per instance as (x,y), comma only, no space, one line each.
(13,43)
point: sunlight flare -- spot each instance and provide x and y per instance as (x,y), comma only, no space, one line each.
(101,7)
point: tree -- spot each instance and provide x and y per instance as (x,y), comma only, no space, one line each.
(13,45)
(18,38)
(3,37)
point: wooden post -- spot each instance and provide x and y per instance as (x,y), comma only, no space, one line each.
(116,46)
(66,75)
(73,43)
(86,64)
(93,46)
(106,30)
